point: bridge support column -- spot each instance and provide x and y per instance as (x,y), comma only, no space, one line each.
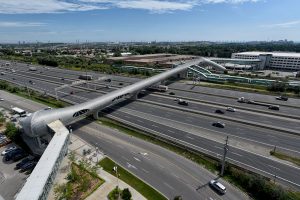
(96,115)
(135,96)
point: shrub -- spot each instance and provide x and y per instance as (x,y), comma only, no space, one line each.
(126,195)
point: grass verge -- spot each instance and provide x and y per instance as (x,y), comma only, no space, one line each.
(286,157)
(147,191)
(255,185)
(246,88)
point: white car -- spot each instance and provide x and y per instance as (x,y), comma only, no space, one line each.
(1,99)
(8,150)
(231,109)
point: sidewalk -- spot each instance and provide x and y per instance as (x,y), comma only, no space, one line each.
(78,146)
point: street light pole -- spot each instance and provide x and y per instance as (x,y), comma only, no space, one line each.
(224,156)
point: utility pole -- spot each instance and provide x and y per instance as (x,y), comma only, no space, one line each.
(224,156)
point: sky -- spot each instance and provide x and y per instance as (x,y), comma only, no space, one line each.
(148,20)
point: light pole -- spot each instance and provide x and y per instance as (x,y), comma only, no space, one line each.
(116,170)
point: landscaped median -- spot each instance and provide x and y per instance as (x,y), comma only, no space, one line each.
(82,180)
(283,156)
(144,189)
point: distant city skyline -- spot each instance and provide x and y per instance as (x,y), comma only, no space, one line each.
(148,20)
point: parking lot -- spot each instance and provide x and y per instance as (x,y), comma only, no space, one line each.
(11,180)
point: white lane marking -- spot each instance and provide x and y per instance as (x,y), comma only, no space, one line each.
(154,126)
(131,166)
(137,159)
(168,185)
(190,137)
(139,121)
(145,171)
(218,147)
(127,117)
(170,131)
(273,167)
(236,154)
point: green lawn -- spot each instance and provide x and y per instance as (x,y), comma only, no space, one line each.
(147,191)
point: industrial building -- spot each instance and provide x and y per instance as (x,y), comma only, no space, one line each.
(284,61)
(163,60)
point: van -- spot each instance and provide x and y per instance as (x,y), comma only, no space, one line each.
(221,189)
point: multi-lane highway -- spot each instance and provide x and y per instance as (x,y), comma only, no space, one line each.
(166,171)
(194,129)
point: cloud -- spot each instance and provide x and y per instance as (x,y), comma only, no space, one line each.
(43,6)
(229,1)
(58,6)
(17,24)
(282,25)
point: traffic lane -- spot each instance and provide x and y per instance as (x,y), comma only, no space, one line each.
(37,76)
(273,138)
(233,102)
(153,172)
(173,172)
(263,163)
(269,120)
(234,94)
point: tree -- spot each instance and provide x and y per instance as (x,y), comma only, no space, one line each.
(11,130)
(126,194)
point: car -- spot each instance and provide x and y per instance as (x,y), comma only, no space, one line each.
(219,111)
(11,154)
(19,156)
(282,98)
(2,73)
(30,81)
(218,124)
(62,79)
(1,99)
(8,150)
(231,109)
(71,92)
(28,166)
(120,83)
(24,161)
(273,107)
(171,93)
(220,188)
(183,102)
(48,108)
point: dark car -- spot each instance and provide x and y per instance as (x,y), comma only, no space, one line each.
(19,156)
(183,102)
(273,107)
(11,154)
(71,92)
(24,161)
(28,166)
(282,98)
(219,124)
(171,93)
(120,83)
(219,111)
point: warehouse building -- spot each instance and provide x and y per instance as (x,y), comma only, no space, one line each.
(284,61)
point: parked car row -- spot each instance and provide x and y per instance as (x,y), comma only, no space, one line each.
(14,153)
